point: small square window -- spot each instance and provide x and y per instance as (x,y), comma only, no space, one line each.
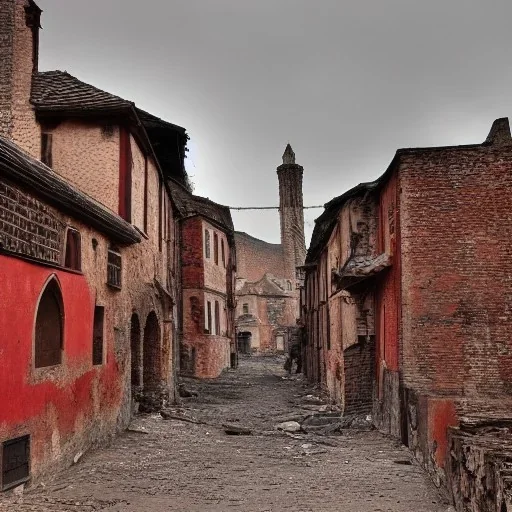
(114,269)
(245,309)
(15,462)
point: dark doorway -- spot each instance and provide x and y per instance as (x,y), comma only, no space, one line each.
(244,342)
(152,358)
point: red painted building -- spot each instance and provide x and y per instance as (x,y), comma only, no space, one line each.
(407,300)
(208,265)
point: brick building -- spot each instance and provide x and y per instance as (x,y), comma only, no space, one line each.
(88,257)
(407,307)
(267,297)
(208,264)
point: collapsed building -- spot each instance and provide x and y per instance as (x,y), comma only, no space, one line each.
(406,307)
(266,287)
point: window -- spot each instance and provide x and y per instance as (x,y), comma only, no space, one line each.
(46,149)
(114,268)
(216,248)
(160,219)
(15,457)
(223,253)
(206,243)
(217,318)
(73,259)
(145,194)
(209,317)
(245,309)
(97,335)
(289,286)
(49,327)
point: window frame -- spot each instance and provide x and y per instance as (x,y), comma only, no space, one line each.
(113,269)
(245,310)
(217,318)
(76,259)
(223,252)
(207,244)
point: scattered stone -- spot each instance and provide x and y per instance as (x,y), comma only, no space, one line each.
(77,457)
(288,426)
(169,414)
(237,430)
(137,430)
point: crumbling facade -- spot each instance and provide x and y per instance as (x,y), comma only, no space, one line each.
(208,264)
(89,257)
(267,296)
(406,300)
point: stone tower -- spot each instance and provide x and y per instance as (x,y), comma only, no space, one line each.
(291,213)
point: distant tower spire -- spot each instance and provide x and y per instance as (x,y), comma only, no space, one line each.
(288,155)
(291,212)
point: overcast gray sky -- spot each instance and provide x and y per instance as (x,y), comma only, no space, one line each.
(346,83)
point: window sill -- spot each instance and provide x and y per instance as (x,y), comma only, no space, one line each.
(114,287)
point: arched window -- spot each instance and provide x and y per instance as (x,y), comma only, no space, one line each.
(223,253)
(73,258)
(216,248)
(217,318)
(49,327)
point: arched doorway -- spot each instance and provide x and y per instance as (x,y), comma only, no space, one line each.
(136,352)
(152,357)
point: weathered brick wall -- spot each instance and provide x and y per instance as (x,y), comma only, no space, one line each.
(255,258)
(7,31)
(215,273)
(359,364)
(192,260)
(455,218)
(28,227)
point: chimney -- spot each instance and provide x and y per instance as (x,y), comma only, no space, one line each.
(19,49)
(500,133)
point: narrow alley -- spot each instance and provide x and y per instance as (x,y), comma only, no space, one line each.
(191,464)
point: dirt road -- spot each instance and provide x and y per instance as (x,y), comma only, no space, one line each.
(176,465)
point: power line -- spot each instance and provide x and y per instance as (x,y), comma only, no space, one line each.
(268,207)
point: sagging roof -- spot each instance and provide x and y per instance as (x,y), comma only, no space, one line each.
(20,168)
(189,205)
(59,93)
(324,225)
(265,286)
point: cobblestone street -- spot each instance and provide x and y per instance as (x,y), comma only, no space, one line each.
(176,465)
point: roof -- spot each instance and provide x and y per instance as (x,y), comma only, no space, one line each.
(324,225)
(243,234)
(265,286)
(189,205)
(18,167)
(59,93)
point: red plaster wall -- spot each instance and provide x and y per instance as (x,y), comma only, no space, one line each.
(53,405)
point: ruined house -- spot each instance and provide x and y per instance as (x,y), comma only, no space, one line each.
(207,304)
(267,296)
(88,257)
(407,310)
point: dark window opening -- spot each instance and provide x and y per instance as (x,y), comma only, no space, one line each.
(73,259)
(206,243)
(223,254)
(15,456)
(46,149)
(216,248)
(217,318)
(49,327)
(97,335)
(209,317)
(114,268)
(245,309)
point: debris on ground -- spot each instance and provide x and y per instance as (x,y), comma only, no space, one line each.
(185,393)
(236,430)
(288,426)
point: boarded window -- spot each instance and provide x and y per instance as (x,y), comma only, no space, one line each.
(223,254)
(73,259)
(217,318)
(216,248)
(49,327)
(97,335)
(15,461)
(46,149)
(209,317)
(245,309)
(206,243)
(114,268)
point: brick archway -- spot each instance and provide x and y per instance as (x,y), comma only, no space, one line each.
(136,352)
(151,357)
